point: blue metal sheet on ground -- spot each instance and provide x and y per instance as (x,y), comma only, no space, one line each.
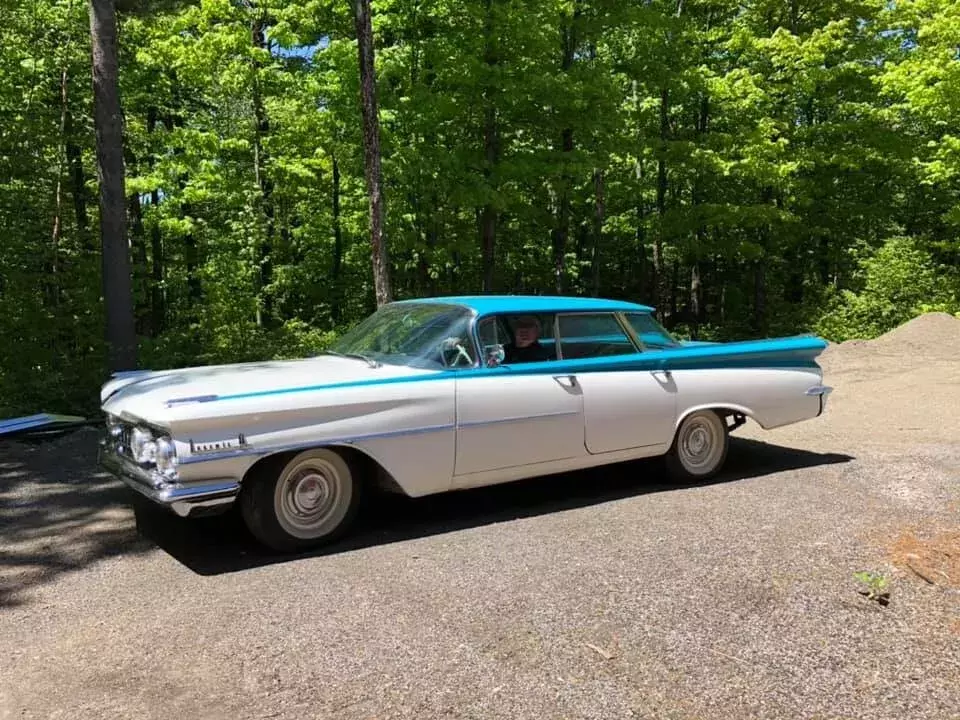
(16,426)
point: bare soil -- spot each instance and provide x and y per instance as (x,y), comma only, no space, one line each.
(604,594)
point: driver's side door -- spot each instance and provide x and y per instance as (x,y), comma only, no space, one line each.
(514,415)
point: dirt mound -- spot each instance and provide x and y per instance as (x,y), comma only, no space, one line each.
(932,335)
(937,332)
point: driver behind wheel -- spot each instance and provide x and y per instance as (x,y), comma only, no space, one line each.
(526,346)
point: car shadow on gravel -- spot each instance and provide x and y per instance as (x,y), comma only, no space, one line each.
(58,514)
(217,545)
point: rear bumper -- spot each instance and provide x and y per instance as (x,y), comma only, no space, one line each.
(184,498)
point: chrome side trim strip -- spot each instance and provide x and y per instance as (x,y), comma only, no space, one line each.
(194,399)
(520,418)
(350,439)
(319,442)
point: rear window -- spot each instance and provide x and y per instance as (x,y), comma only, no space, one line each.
(588,335)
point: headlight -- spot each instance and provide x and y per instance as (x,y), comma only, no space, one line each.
(114,428)
(165,456)
(142,446)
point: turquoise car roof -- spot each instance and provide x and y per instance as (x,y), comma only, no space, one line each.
(488,304)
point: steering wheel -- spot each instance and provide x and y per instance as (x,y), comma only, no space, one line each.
(462,357)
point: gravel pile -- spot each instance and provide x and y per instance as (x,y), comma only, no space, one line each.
(933,336)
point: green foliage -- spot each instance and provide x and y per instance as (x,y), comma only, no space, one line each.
(900,281)
(753,169)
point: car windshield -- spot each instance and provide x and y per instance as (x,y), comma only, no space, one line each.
(429,335)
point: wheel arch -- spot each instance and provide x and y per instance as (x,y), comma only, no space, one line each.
(369,470)
(722,409)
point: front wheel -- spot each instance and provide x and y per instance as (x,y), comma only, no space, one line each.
(305,502)
(699,448)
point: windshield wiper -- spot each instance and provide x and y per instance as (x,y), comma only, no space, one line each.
(357,356)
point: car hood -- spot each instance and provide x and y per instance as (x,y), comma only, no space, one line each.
(147,394)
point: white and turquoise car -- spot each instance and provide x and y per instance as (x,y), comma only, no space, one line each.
(439,394)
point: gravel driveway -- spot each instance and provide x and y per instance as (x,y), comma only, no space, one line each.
(604,594)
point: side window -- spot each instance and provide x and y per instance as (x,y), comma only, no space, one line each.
(651,333)
(590,335)
(524,337)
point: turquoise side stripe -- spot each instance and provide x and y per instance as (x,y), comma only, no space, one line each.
(797,352)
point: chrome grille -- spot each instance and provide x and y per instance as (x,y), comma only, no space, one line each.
(120,441)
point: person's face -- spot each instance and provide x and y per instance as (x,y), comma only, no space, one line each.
(526,333)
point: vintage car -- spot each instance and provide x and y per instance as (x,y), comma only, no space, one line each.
(437,394)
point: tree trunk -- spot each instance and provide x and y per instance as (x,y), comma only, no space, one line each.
(760,320)
(54,279)
(599,215)
(141,269)
(488,231)
(191,257)
(74,159)
(562,230)
(433,237)
(337,246)
(674,283)
(262,129)
(760,296)
(641,234)
(661,200)
(696,298)
(371,152)
(117,286)
(79,188)
(488,216)
(157,311)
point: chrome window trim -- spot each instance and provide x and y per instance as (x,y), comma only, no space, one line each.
(618,315)
(631,333)
(625,313)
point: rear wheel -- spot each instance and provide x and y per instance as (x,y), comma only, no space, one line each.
(700,447)
(307,501)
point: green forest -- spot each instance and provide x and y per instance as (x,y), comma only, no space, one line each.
(751,169)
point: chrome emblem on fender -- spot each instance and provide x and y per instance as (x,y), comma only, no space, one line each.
(202,448)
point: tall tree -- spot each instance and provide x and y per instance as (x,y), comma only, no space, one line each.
(488,214)
(371,151)
(117,284)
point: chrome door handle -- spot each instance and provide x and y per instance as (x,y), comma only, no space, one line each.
(566,380)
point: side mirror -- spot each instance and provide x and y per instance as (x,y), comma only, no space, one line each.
(493,355)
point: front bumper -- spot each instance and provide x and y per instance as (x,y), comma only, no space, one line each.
(184,498)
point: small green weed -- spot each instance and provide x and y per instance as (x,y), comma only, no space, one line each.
(876,586)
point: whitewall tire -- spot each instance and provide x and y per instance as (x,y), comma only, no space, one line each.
(700,447)
(299,502)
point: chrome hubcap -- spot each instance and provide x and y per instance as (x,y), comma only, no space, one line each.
(701,444)
(699,441)
(309,492)
(310,497)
